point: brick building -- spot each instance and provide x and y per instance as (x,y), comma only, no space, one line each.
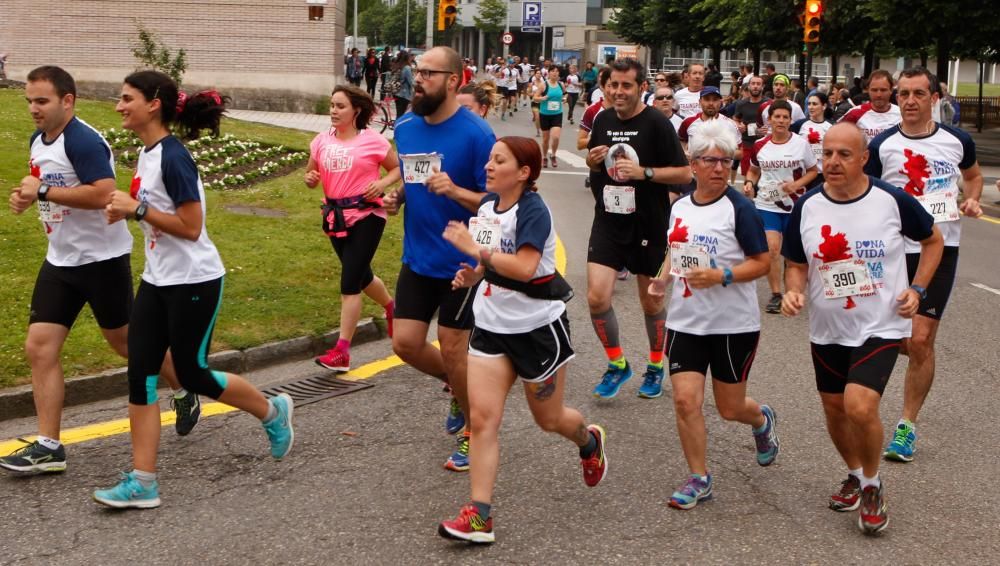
(261,51)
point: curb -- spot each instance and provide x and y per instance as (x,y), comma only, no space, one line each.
(19,402)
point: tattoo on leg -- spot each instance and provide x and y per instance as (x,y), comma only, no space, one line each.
(544,390)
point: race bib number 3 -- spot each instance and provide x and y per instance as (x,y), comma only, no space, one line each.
(619,200)
(845,278)
(418,167)
(486,232)
(685,257)
(50,212)
(943,205)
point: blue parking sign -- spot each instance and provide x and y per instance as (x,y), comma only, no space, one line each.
(531,17)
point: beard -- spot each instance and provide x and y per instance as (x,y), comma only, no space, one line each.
(426,103)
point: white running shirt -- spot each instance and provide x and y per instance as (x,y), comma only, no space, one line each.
(779,163)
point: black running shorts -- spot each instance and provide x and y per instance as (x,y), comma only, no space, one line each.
(535,355)
(640,257)
(939,290)
(869,364)
(61,292)
(418,297)
(728,355)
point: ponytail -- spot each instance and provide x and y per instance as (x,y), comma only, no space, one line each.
(190,114)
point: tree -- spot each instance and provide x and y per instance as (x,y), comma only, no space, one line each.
(371,23)
(153,54)
(632,23)
(491,20)
(363,6)
(395,24)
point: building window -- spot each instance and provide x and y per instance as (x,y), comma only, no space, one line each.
(315,13)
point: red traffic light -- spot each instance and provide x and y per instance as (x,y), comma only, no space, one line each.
(811,21)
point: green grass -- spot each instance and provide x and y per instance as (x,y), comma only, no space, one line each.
(972,89)
(283,278)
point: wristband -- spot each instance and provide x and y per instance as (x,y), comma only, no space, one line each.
(43,193)
(140,212)
(920,291)
(727,277)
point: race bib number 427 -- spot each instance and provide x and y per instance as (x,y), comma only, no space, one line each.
(418,167)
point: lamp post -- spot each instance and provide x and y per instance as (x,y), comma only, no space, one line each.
(506,29)
(406,41)
(430,24)
(355,23)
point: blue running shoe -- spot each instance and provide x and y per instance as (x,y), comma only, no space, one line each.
(279,430)
(612,381)
(652,383)
(129,493)
(767,439)
(694,490)
(459,461)
(456,418)
(901,448)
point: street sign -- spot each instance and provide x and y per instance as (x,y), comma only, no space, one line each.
(531,17)
(507,38)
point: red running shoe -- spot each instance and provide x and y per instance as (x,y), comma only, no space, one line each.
(873,517)
(849,496)
(468,526)
(595,467)
(335,360)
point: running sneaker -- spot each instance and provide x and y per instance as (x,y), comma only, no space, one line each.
(612,381)
(555,162)
(901,448)
(279,430)
(335,360)
(129,493)
(774,305)
(456,418)
(849,496)
(652,382)
(459,460)
(468,526)
(873,517)
(545,162)
(595,468)
(623,275)
(390,314)
(767,440)
(188,411)
(35,458)
(694,490)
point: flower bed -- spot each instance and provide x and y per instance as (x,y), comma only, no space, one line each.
(224,162)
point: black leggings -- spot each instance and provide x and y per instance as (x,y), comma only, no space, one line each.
(370,82)
(356,251)
(573,97)
(179,317)
(401,105)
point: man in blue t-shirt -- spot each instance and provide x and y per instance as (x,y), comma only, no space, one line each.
(443,149)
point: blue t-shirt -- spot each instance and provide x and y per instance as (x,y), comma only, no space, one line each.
(464,142)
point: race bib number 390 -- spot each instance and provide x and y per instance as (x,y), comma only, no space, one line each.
(943,205)
(417,167)
(619,200)
(486,232)
(686,257)
(845,278)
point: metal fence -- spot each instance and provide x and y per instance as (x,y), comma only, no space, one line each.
(970,110)
(728,65)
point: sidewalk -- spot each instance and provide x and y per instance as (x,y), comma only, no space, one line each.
(308,122)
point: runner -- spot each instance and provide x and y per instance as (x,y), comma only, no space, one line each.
(72,174)
(523,80)
(781,83)
(181,290)
(633,155)
(550,116)
(443,148)
(346,160)
(879,113)
(689,98)
(783,165)
(537,86)
(664,102)
(507,83)
(713,319)
(845,251)
(573,89)
(813,128)
(747,111)
(711,103)
(926,160)
(518,331)
(587,121)
(479,97)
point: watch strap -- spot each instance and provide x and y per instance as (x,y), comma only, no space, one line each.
(43,192)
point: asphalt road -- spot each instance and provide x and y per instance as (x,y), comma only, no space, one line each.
(365,483)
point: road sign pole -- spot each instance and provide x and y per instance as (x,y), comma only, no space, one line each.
(430,24)
(506,30)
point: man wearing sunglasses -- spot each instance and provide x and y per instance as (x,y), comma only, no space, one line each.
(443,149)
(664,102)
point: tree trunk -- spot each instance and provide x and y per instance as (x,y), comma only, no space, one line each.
(834,61)
(943,56)
(923,58)
(869,64)
(717,57)
(756,62)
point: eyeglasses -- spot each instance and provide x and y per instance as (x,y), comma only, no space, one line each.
(713,161)
(426,73)
(665,97)
(660,79)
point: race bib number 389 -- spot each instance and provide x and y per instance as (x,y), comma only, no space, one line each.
(417,167)
(686,257)
(845,278)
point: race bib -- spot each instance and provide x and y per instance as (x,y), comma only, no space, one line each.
(845,278)
(752,130)
(619,200)
(486,232)
(417,167)
(50,212)
(684,257)
(770,192)
(942,205)
(553,105)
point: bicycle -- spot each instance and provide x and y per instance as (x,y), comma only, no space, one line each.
(385,114)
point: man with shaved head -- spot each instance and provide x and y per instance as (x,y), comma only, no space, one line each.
(443,149)
(846,256)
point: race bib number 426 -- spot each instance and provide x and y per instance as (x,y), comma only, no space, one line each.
(845,278)
(619,200)
(686,257)
(417,167)
(486,232)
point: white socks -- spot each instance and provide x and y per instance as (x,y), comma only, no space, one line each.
(867,481)
(50,443)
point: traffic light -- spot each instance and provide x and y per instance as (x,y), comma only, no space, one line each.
(447,12)
(814,11)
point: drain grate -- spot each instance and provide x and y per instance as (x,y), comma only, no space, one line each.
(315,388)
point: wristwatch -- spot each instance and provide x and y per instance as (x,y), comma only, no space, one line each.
(920,291)
(648,173)
(43,192)
(140,212)
(727,277)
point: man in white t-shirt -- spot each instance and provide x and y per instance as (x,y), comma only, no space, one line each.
(711,104)
(780,83)
(71,178)
(664,102)
(879,113)
(926,160)
(688,99)
(846,258)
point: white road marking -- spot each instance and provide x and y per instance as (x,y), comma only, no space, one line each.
(986,288)
(573,159)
